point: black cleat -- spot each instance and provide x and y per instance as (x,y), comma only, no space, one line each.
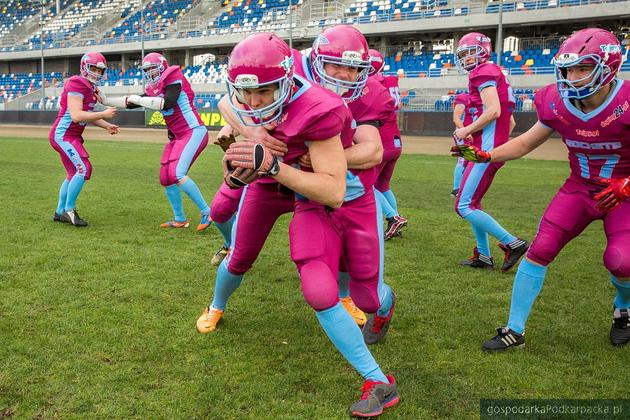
(57,217)
(478,261)
(394,227)
(73,218)
(513,253)
(620,329)
(505,339)
(455,192)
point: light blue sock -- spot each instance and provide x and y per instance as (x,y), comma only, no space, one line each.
(386,301)
(74,189)
(391,199)
(192,191)
(484,221)
(388,210)
(63,194)
(483,245)
(226,231)
(344,284)
(346,336)
(527,284)
(458,174)
(175,199)
(225,284)
(622,299)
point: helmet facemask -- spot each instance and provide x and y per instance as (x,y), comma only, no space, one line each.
(151,73)
(348,90)
(463,53)
(264,115)
(573,89)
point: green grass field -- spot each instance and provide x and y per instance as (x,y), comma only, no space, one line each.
(99,322)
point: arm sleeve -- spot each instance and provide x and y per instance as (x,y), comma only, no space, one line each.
(171,94)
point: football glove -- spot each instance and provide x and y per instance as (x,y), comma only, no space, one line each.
(251,155)
(615,191)
(224,142)
(471,153)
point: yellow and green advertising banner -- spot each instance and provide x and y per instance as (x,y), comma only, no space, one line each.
(209,118)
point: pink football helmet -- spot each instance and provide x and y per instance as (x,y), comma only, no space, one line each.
(91,61)
(153,65)
(259,60)
(341,45)
(591,46)
(377,62)
(472,44)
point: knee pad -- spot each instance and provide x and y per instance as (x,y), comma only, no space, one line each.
(319,285)
(87,170)
(237,264)
(167,175)
(616,261)
(365,296)
(543,251)
(223,208)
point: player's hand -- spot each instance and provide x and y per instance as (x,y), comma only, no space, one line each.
(109,113)
(248,154)
(227,130)
(262,136)
(614,193)
(471,153)
(134,99)
(224,142)
(461,134)
(305,160)
(113,129)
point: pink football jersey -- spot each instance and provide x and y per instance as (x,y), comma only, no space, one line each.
(496,133)
(464,99)
(63,126)
(313,113)
(390,133)
(183,117)
(598,141)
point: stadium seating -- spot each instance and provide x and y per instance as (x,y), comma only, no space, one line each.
(73,19)
(159,16)
(18,84)
(15,12)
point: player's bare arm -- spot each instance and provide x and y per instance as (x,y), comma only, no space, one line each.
(75,107)
(327,184)
(514,149)
(111,128)
(367,150)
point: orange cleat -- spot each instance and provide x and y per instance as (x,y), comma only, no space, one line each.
(209,319)
(357,314)
(205,222)
(175,225)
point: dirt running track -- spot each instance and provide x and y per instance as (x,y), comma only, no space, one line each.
(552,150)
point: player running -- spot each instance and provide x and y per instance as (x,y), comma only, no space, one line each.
(588,106)
(76,110)
(491,105)
(264,89)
